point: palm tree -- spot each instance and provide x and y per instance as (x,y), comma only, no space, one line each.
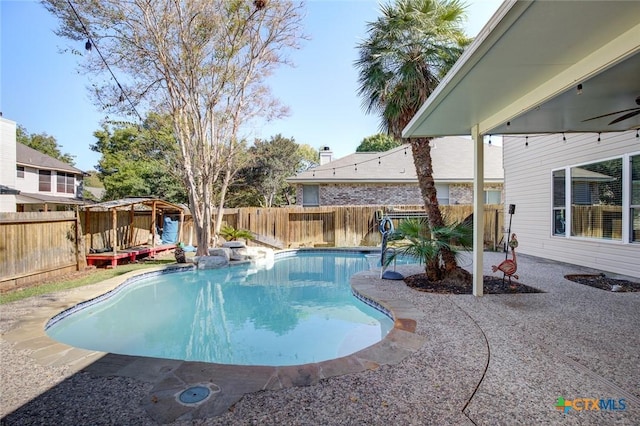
(409,49)
(427,244)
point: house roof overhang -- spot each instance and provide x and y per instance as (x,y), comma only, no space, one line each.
(521,74)
(30,198)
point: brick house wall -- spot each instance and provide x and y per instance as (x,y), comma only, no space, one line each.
(393,194)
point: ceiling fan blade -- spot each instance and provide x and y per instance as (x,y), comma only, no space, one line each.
(626,116)
(611,113)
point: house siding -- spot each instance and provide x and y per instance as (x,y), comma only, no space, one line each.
(392,194)
(528,185)
(7,163)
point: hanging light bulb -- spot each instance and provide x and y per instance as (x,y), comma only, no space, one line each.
(88,45)
(579,89)
(564,138)
(526,143)
(489,139)
(356,167)
(598,137)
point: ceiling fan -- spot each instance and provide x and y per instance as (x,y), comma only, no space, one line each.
(631,112)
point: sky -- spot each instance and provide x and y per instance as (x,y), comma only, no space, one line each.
(42,90)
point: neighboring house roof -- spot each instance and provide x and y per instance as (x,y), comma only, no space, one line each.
(26,156)
(452,159)
(31,198)
(98,193)
(6,190)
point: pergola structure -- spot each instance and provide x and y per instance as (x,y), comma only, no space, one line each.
(155,205)
(538,67)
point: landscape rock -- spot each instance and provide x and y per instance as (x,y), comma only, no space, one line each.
(212,262)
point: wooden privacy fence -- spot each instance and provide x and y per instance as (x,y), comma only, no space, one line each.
(339,226)
(36,245)
(43,244)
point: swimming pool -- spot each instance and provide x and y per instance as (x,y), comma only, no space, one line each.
(299,311)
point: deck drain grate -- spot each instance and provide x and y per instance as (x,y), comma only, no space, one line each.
(194,395)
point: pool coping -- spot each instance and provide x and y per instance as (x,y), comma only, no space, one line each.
(227,383)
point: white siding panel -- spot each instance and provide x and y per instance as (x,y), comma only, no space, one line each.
(7,153)
(528,186)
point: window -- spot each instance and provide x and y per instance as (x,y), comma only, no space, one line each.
(559,200)
(20,171)
(44,180)
(310,195)
(596,200)
(443,193)
(635,199)
(66,183)
(589,199)
(492,197)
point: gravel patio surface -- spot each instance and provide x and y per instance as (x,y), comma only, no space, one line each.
(498,359)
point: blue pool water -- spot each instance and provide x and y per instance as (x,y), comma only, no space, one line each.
(301,310)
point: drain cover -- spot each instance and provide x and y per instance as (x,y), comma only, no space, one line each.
(194,394)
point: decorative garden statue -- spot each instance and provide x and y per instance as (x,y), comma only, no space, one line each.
(509,266)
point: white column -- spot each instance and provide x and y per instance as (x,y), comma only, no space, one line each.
(478,210)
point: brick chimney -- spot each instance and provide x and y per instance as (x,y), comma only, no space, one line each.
(326,156)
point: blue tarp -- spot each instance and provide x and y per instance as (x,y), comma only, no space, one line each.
(170,230)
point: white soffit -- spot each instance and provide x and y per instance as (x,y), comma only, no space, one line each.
(525,65)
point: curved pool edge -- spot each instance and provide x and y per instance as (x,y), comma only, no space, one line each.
(169,377)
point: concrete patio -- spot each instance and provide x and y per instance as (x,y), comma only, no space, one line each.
(498,359)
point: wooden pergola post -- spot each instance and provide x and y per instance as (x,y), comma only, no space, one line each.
(153,224)
(131,217)
(114,224)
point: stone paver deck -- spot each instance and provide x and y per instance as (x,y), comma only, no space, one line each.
(499,359)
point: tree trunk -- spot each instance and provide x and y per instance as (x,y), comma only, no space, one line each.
(421,150)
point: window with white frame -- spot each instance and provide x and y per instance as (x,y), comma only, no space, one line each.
(20,171)
(66,183)
(310,195)
(588,199)
(634,217)
(559,202)
(44,180)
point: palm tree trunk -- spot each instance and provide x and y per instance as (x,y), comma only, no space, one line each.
(421,150)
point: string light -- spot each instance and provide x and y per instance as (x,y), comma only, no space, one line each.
(637,134)
(394,151)
(89,45)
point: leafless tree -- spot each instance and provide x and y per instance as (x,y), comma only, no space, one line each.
(204,62)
